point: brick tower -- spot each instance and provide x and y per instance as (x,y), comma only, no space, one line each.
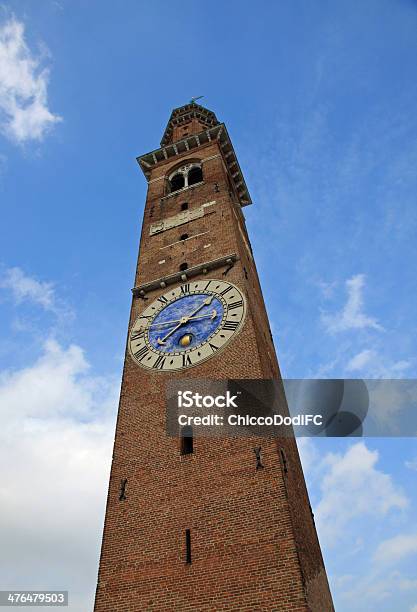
(191,524)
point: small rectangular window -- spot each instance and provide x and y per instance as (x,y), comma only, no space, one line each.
(187,440)
(187,546)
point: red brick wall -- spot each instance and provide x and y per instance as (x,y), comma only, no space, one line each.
(194,126)
(254,545)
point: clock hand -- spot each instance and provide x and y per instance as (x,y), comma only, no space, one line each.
(212,316)
(184,320)
(164,323)
(206,302)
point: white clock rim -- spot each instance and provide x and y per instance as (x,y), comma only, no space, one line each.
(193,365)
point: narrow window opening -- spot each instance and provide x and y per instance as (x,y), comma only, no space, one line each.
(195,175)
(122,493)
(183,267)
(284,461)
(188,546)
(184,237)
(177,182)
(187,440)
(184,206)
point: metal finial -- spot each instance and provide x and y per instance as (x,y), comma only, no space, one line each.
(194,98)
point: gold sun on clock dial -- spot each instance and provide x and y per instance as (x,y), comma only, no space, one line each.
(187,325)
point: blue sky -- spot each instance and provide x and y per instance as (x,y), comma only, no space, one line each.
(319,99)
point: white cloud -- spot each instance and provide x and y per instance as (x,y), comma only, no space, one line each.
(24,287)
(324,370)
(358,361)
(374,587)
(372,365)
(54,386)
(352,487)
(395,549)
(351,316)
(327,289)
(414,608)
(356,498)
(309,454)
(24,112)
(411,465)
(388,398)
(55,450)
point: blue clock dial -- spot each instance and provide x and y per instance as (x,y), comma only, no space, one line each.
(186,323)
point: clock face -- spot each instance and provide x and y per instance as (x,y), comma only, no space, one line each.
(187,325)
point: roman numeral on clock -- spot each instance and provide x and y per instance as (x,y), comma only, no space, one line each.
(226,290)
(163,299)
(186,360)
(235,305)
(137,335)
(159,363)
(230,325)
(185,288)
(141,353)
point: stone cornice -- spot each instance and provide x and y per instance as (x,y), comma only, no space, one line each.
(190,145)
(182,276)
